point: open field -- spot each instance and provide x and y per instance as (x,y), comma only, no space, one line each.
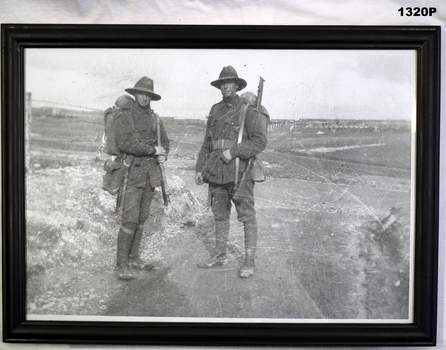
(333,217)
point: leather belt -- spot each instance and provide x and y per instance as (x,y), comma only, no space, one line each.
(222,144)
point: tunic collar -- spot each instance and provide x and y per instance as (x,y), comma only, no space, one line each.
(230,102)
(140,110)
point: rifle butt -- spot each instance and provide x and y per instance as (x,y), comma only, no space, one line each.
(163,185)
(120,196)
(161,165)
(240,187)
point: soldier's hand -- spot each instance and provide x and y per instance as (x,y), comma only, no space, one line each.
(199,178)
(226,156)
(161,159)
(160,151)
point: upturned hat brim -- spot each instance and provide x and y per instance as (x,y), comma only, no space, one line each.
(229,73)
(241,83)
(134,91)
(144,86)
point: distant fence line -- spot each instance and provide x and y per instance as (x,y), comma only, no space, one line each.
(338,124)
(38,111)
(66,105)
(290,125)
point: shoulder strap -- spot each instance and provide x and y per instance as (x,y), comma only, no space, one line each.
(157,117)
(243,110)
(229,114)
(158,128)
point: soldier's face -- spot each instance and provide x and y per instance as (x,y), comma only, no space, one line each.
(143,99)
(228,88)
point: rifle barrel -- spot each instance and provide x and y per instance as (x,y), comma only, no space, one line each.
(161,166)
(260,93)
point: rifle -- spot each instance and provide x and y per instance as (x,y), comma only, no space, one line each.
(161,166)
(121,192)
(260,93)
(120,197)
(240,186)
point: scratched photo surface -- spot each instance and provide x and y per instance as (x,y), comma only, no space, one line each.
(335,213)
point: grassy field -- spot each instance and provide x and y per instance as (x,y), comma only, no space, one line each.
(386,152)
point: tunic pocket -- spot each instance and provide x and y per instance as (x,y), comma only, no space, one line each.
(212,165)
(231,129)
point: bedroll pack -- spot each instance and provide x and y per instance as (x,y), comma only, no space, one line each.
(111,115)
(114,176)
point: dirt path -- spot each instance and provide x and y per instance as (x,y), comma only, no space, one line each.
(310,265)
(178,288)
(314,260)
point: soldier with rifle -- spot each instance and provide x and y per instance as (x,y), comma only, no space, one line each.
(143,145)
(236,132)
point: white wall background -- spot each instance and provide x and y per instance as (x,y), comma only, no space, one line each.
(223,12)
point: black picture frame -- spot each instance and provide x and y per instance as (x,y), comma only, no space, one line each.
(424,39)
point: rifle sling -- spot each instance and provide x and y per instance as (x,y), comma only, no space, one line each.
(244,108)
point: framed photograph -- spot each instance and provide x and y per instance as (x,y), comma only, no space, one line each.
(220,185)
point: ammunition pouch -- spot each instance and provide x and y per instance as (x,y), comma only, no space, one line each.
(212,165)
(257,172)
(114,176)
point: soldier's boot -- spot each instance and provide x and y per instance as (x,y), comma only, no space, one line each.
(125,238)
(221,246)
(247,270)
(135,260)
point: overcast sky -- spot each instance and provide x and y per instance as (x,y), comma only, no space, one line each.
(357,84)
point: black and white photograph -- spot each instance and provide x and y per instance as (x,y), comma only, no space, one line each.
(220,185)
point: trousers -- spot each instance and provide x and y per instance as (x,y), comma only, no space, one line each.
(136,206)
(222,199)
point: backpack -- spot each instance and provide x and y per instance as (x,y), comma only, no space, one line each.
(257,172)
(111,116)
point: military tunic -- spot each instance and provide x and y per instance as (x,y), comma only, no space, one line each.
(222,132)
(136,137)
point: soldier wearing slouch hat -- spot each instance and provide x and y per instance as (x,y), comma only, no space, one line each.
(136,137)
(217,166)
